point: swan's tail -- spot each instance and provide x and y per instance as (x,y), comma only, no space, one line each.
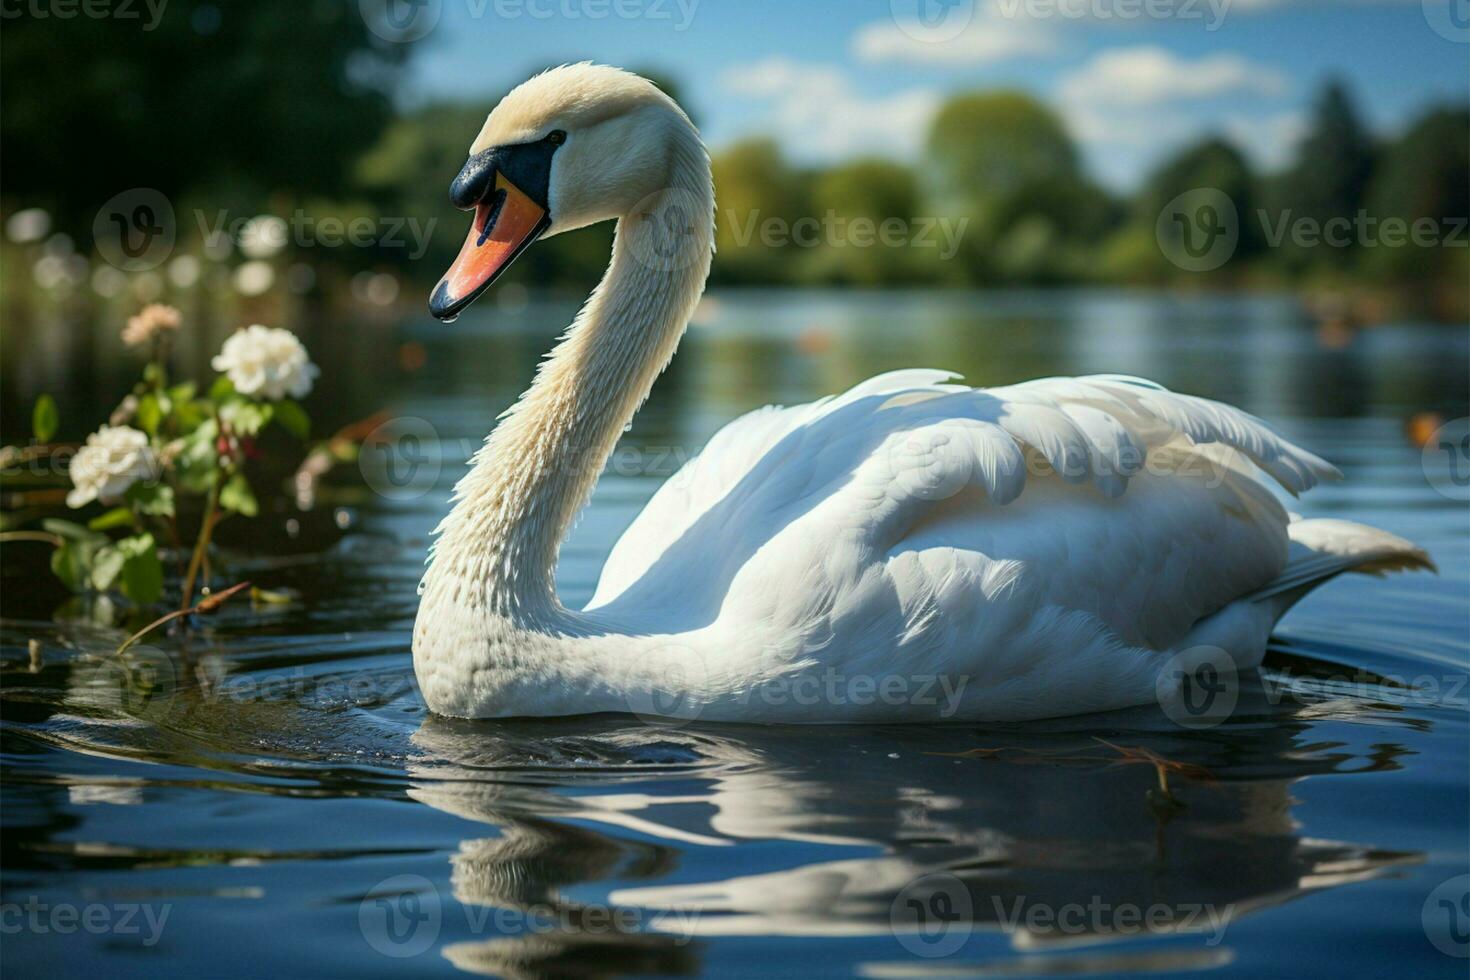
(1324,548)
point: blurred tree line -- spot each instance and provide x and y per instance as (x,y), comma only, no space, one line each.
(1006,161)
(225,106)
(1002,167)
(285,106)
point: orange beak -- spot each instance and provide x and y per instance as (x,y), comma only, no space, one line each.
(506,222)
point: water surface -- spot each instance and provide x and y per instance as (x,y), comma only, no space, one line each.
(266,794)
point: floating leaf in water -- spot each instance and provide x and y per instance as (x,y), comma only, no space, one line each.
(265,597)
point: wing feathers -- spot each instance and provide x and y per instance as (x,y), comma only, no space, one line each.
(915,436)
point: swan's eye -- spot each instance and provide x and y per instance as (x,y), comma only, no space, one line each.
(556,137)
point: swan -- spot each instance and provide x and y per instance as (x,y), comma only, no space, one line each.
(910,550)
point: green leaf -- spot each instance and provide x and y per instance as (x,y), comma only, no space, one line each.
(72,531)
(221,389)
(142,572)
(293,418)
(45,418)
(150,414)
(246,418)
(197,463)
(188,415)
(117,517)
(183,392)
(107,565)
(152,373)
(69,564)
(237,496)
(154,499)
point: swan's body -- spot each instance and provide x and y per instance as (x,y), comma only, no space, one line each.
(910,550)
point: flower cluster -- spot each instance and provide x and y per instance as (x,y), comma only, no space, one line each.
(114,458)
(166,443)
(153,322)
(266,362)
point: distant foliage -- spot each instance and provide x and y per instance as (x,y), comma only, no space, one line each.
(230,103)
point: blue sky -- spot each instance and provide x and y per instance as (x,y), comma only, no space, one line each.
(835,78)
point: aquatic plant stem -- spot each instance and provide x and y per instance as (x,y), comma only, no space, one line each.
(206,531)
(208,604)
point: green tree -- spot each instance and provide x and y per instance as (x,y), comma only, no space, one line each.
(985,146)
(1134,253)
(1424,176)
(408,172)
(1330,176)
(756,192)
(1006,162)
(860,197)
(225,102)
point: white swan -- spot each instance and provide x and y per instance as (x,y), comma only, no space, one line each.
(910,550)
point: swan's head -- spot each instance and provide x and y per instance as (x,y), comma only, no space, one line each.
(570,147)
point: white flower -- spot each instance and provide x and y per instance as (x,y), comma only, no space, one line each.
(266,362)
(114,458)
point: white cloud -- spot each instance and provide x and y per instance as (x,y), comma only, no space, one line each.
(1148,76)
(990,40)
(1130,108)
(816,112)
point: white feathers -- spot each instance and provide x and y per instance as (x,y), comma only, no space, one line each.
(916,439)
(1037,550)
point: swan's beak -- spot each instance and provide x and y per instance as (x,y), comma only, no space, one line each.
(506,222)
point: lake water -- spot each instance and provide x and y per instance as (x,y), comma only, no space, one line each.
(266,795)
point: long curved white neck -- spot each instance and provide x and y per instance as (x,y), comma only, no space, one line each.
(497,549)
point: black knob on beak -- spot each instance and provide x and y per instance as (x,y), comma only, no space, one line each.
(474,181)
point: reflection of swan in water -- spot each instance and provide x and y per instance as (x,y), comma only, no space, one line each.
(1050,821)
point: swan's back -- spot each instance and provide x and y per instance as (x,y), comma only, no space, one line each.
(916,436)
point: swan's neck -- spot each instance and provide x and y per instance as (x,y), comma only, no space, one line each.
(497,549)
